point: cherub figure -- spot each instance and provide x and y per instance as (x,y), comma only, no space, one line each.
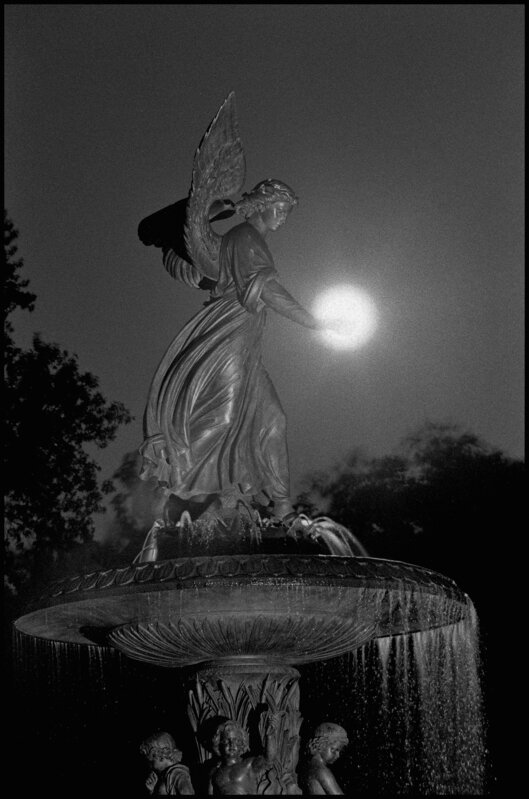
(168,776)
(235,774)
(324,748)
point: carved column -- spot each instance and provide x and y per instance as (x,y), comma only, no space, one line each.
(247,692)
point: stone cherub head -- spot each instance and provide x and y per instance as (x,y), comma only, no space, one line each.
(168,775)
(230,739)
(328,740)
(161,751)
(323,749)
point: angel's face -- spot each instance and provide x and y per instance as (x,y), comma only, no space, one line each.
(275,215)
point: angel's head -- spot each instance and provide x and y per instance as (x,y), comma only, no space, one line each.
(267,195)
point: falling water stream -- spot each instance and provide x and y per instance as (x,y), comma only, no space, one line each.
(412,706)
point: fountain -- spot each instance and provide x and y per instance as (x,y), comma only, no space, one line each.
(240,597)
(244,621)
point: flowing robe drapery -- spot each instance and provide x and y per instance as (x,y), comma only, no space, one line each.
(213,422)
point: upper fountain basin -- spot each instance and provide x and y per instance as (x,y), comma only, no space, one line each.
(282,608)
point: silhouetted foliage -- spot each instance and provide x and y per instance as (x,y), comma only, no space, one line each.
(444,500)
(52,410)
(14,295)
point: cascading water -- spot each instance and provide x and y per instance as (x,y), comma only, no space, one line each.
(447,664)
(412,706)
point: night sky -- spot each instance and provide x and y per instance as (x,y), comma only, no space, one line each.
(400,127)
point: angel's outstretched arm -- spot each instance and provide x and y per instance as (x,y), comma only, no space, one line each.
(276,297)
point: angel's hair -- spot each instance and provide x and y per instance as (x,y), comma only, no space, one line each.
(226,726)
(161,744)
(266,193)
(326,733)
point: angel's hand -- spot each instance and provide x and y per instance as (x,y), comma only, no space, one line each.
(319,325)
(343,327)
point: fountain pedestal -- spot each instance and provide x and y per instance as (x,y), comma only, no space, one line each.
(247,690)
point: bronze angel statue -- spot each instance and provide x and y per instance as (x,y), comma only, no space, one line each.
(215,431)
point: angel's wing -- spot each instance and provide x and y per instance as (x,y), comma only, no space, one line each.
(218,173)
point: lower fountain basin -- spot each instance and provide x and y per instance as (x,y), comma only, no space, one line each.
(276,608)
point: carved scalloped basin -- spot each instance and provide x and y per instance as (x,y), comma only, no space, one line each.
(287,609)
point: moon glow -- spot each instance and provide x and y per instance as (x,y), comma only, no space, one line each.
(350,314)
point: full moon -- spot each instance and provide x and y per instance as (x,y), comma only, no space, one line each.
(350,314)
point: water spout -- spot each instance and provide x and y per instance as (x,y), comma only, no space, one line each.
(149,551)
(337,538)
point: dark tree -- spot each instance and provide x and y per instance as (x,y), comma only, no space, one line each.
(444,500)
(14,294)
(52,411)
